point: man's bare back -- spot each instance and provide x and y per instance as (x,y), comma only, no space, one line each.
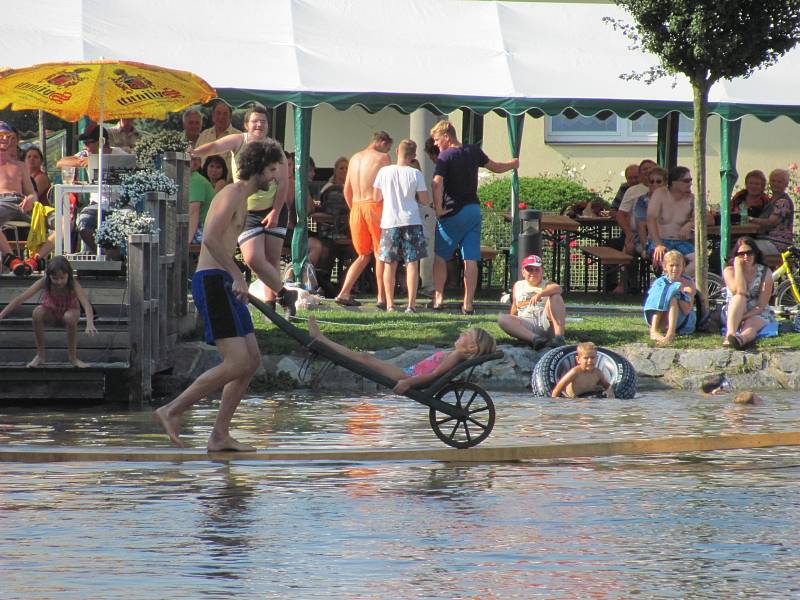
(361,173)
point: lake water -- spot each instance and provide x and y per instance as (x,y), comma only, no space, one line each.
(711,525)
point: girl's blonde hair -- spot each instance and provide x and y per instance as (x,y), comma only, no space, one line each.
(484,341)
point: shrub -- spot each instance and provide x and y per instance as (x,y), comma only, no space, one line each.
(543,193)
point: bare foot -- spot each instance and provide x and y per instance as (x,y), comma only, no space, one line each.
(665,340)
(655,336)
(171,425)
(618,290)
(37,360)
(313,328)
(220,443)
(76,362)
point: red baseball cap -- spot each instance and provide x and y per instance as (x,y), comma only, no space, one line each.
(531,261)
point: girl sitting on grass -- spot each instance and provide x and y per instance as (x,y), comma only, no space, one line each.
(471,343)
(58,305)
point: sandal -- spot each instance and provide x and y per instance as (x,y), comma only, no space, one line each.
(434,306)
(347,302)
(736,342)
(467,311)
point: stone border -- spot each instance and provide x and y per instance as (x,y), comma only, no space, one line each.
(658,368)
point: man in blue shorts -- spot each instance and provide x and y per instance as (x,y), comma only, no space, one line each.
(219,291)
(455,199)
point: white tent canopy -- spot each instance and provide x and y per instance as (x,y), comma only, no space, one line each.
(515,56)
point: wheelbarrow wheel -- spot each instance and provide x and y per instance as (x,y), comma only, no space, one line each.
(474,417)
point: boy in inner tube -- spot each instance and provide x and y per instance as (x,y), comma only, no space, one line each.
(584,379)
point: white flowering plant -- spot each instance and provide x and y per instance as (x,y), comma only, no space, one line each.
(134,186)
(153,144)
(115,229)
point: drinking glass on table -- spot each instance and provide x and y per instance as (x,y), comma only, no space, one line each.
(68,175)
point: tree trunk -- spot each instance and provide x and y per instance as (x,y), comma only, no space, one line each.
(700,87)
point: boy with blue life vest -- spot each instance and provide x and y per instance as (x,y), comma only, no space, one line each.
(669,306)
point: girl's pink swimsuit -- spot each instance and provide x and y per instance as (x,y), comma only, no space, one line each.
(58,304)
(426,365)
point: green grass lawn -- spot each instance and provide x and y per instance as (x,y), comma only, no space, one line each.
(374,330)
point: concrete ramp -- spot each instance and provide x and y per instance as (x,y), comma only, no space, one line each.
(668,445)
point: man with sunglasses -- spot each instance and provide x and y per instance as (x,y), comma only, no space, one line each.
(537,315)
(16,196)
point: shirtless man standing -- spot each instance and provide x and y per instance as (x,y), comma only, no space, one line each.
(16,196)
(219,290)
(670,218)
(365,215)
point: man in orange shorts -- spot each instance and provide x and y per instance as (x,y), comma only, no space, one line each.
(365,215)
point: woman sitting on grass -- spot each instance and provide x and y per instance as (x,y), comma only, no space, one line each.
(748,288)
(471,343)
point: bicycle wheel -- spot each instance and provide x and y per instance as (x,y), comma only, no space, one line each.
(785,302)
(715,290)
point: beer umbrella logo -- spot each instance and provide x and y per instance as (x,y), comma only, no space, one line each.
(102,90)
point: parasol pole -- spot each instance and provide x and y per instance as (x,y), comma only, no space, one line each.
(101,146)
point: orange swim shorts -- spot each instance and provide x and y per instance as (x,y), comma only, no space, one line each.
(365,227)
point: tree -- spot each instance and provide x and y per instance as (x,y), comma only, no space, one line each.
(708,40)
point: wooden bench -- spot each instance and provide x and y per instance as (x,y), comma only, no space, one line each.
(601,256)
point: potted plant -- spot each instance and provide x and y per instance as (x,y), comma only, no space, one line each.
(134,186)
(112,234)
(149,148)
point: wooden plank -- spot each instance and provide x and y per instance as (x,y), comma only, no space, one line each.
(610,256)
(90,355)
(96,295)
(484,453)
(54,338)
(17,323)
(54,390)
(110,312)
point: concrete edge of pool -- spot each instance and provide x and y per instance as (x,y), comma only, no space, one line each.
(667,445)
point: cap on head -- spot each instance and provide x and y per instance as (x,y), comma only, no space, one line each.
(531,261)
(5,127)
(92,134)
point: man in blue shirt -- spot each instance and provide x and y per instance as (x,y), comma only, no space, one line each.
(455,199)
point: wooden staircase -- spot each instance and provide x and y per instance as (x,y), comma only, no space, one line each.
(108,352)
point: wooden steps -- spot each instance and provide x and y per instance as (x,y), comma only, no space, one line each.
(107,352)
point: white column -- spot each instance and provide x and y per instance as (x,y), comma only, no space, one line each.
(419,124)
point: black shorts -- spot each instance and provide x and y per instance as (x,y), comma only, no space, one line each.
(255,217)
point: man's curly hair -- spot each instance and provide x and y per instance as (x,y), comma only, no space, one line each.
(257,155)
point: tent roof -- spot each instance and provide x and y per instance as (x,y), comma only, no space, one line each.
(512,56)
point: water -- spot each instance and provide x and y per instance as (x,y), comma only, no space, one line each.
(715,525)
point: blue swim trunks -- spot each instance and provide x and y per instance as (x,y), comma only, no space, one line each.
(224,315)
(462,229)
(685,247)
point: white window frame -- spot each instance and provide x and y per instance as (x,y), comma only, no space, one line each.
(624,134)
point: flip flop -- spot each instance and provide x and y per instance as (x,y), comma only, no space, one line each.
(737,343)
(347,302)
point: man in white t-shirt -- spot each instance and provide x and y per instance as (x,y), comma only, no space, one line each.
(401,187)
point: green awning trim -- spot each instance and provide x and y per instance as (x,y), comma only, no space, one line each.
(443,104)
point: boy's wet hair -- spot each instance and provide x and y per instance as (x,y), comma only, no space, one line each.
(585,348)
(59,264)
(674,255)
(484,341)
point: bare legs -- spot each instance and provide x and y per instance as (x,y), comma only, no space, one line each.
(749,327)
(387,369)
(259,254)
(439,279)
(658,325)
(240,359)
(42,317)
(412,283)
(517,327)
(354,272)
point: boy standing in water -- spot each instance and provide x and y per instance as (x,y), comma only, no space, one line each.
(584,378)
(219,291)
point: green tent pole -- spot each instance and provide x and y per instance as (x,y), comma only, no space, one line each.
(668,141)
(302,146)
(515,124)
(729,147)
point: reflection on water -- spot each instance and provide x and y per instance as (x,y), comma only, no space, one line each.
(715,525)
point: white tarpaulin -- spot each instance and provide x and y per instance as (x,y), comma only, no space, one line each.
(514,55)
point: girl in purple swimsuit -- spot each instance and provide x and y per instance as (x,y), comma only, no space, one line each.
(471,343)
